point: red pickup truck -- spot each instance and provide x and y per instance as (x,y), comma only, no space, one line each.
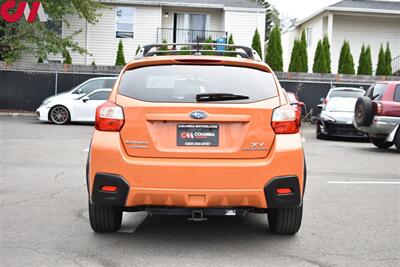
(378,114)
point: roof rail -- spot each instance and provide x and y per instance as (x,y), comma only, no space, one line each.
(197,49)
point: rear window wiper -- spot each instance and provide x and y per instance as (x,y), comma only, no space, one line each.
(219,97)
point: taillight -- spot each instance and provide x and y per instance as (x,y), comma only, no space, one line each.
(285,120)
(109,117)
(378,108)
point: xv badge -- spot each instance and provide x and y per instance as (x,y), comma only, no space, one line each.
(22,8)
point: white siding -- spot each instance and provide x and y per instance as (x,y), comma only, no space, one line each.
(76,24)
(242,25)
(372,31)
(103,44)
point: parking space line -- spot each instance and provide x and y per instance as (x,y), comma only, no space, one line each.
(363,182)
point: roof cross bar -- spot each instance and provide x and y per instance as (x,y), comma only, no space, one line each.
(195,48)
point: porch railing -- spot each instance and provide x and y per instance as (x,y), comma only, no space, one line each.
(171,35)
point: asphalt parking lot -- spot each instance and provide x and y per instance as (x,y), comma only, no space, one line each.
(351,211)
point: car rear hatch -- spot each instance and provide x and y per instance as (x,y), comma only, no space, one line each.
(163,118)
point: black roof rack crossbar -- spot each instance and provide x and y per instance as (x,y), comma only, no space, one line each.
(196,48)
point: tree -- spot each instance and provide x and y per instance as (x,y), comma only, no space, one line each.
(388,61)
(381,67)
(361,61)
(303,52)
(163,47)
(120,61)
(256,43)
(208,47)
(274,53)
(231,42)
(367,61)
(346,62)
(295,59)
(39,38)
(271,17)
(327,53)
(320,64)
(67,57)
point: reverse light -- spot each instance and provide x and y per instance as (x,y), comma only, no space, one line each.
(109,117)
(285,120)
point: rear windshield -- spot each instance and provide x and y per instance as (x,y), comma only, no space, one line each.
(346,93)
(376,91)
(182,83)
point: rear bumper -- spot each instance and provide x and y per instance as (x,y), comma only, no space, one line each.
(339,129)
(198,183)
(381,126)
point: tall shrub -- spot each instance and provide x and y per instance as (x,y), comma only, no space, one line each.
(367,61)
(120,61)
(295,59)
(256,43)
(327,53)
(346,62)
(274,51)
(388,61)
(320,65)
(303,52)
(361,62)
(381,67)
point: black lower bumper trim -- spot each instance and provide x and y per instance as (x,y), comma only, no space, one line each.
(275,200)
(117,198)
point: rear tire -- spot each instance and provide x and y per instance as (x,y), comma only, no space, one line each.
(381,143)
(397,140)
(286,221)
(364,111)
(104,219)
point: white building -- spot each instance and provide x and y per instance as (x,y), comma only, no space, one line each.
(139,22)
(358,21)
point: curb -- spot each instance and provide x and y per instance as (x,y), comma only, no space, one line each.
(18,114)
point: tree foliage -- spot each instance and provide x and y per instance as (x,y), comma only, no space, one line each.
(67,57)
(320,60)
(295,58)
(303,52)
(271,17)
(274,51)
(346,62)
(256,43)
(327,53)
(39,39)
(381,67)
(361,61)
(120,60)
(388,61)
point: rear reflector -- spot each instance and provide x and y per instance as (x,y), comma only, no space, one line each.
(282,191)
(109,188)
(109,117)
(285,120)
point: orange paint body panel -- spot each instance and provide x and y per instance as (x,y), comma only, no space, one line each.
(159,172)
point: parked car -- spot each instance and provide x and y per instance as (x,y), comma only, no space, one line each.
(64,110)
(84,88)
(296,103)
(196,136)
(378,114)
(341,92)
(336,120)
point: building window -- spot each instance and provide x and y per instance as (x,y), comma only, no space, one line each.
(309,36)
(54,26)
(124,22)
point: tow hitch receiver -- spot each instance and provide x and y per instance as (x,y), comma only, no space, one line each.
(197,216)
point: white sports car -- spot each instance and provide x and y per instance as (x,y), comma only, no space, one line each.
(63,111)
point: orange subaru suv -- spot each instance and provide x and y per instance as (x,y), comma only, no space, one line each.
(196,133)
